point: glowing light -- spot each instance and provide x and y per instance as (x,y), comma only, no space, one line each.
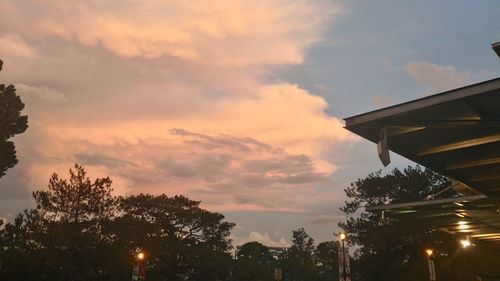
(141,256)
(465,243)
(342,236)
(462,225)
(429,252)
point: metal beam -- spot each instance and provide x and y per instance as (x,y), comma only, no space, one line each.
(471,164)
(485,178)
(459,145)
(448,96)
(424,203)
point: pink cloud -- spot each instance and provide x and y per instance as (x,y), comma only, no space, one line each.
(242,32)
(438,77)
(171,97)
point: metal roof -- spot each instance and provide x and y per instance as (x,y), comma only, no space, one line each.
(455,133)
(475,216)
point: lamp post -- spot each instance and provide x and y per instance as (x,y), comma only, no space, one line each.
(466,244)
(139,271)
(430,263)
(344,264)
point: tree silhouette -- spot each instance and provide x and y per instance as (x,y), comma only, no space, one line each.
(254,262)
(299,259)
(326,257)
(11,124)
(393,249)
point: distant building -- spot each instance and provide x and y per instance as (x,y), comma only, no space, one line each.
(276,252)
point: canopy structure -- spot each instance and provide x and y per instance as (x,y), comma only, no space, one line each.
(474,216)
(455,133)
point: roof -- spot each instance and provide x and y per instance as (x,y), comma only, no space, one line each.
(455,133)
(476,216)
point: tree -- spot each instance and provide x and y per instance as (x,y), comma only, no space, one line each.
(254,262)
(62,238)
(300,258)
(326,257)
(80,231)
(182,239)
(77,200)
(11,124)
(392,249)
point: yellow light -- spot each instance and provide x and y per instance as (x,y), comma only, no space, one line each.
(429,252)
(342,236)
(462,225)
(140,256)
(465,243)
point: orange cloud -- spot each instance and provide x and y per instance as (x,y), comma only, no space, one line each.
(173,97)
(229,32)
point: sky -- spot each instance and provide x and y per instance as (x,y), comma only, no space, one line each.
(236,103)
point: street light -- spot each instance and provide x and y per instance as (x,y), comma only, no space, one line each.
(342,236)
(344,263)
(429,252)
(140,256)
(139,271)
(466,243)
(430,263)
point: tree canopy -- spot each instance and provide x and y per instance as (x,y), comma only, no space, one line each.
(80,231)
(392,249)
(11,124)
(254,262)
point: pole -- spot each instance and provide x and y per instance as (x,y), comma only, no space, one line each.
(341,262)
(347,264)
(135,272)
(344,264)
(432,270)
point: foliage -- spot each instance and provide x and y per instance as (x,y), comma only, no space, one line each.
(182,239)
(299,261)
(391,249)
(77,200)
(11,124)
(80,231)
(254,262)
(326,256)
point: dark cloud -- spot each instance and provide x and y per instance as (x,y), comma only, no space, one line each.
(96,159)
(325,219)
(283,163)
(245,144)
(177,169)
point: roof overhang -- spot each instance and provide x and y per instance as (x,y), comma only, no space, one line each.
(455,133)
(475,216)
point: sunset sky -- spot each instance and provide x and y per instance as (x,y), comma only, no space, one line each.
(237,103)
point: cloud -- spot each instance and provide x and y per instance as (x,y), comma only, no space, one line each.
(325,219)
(175,97)
(437,77)
(14,45)
(223,32)
(42,93)
(264,239)
(95,159)
(381,101)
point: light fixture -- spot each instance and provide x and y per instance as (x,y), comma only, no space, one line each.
(462,225)
(465,243)
(342,236)
(429,252)
(140,256)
